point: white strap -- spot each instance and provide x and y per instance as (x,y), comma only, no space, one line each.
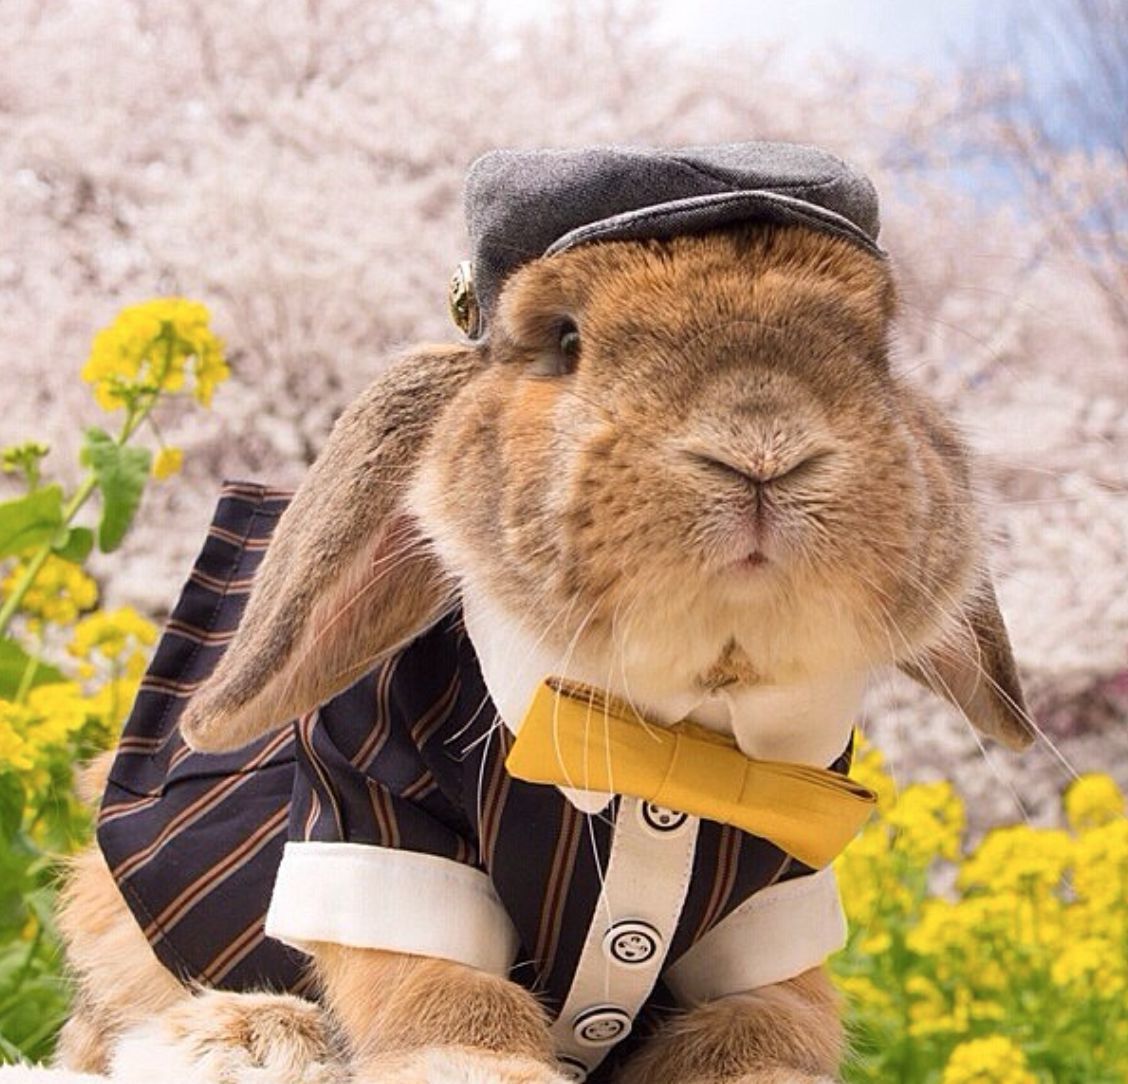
(643,892)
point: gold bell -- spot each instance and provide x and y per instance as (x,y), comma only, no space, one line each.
(463,301)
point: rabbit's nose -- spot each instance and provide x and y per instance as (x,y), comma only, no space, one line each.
(726,467)
(758,473)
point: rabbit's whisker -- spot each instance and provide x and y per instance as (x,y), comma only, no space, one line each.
(953,609)
(490,731)
(561,611)
(929,670)
(954,650)
(628,695)
(563,671)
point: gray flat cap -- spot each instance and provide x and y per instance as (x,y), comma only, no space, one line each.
(524,204)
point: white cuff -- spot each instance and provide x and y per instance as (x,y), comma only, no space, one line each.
(366,896)
(780,932)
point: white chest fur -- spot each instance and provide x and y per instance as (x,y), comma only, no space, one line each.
(806,721)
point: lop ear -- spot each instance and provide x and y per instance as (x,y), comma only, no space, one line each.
(972,666)
(347,576)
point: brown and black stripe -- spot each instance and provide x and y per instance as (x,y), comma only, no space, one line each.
(194,841)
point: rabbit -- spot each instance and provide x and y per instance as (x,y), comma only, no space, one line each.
(674,468)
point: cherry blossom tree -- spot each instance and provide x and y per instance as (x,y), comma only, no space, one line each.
(297,164)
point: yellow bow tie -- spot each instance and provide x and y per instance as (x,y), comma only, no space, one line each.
(576,736)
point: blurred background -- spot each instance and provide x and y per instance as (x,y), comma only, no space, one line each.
(297,166)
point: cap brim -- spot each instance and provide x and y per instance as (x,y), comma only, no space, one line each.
(696,214)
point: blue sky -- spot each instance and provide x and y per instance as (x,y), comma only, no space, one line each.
(921,31)
(924,32)
(936,35)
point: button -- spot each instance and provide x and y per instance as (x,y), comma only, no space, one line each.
(660,819)
(632,943)
(571,1069)
(601,1026)
(463,301)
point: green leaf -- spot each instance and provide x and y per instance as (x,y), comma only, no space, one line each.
(75,544)
(11,805)
(121,473)
(30,520)
(14,883)
(13,663)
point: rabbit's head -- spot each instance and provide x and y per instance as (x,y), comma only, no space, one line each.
(687,458)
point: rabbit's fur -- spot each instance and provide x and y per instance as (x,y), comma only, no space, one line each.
(727,488)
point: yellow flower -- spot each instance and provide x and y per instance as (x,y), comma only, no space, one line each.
(1081,964)
(14,749)
(876,940)
(110,704)
(56,711)
(109,633)
(995,1060)
(929,1011)
(987,944)
(1030,935)
(1019,858)
(862,876)
(929,819)
(941,929)
(864,994)
(986,1010)
(118,641)
(1093,800)
(149,348)
(48,719)
(1100,877)
(211,371)
(167,462)
(59,594)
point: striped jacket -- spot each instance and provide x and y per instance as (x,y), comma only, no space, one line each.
(386,819)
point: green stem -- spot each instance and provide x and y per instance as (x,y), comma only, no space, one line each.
(30,669)
(12,603)
(23,585)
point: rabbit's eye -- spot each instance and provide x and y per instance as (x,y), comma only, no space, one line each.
(563,357)
(570,341)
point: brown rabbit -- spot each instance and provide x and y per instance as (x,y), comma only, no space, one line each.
(680,469)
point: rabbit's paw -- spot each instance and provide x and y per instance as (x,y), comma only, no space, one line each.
(456,1065)
(227,1038)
